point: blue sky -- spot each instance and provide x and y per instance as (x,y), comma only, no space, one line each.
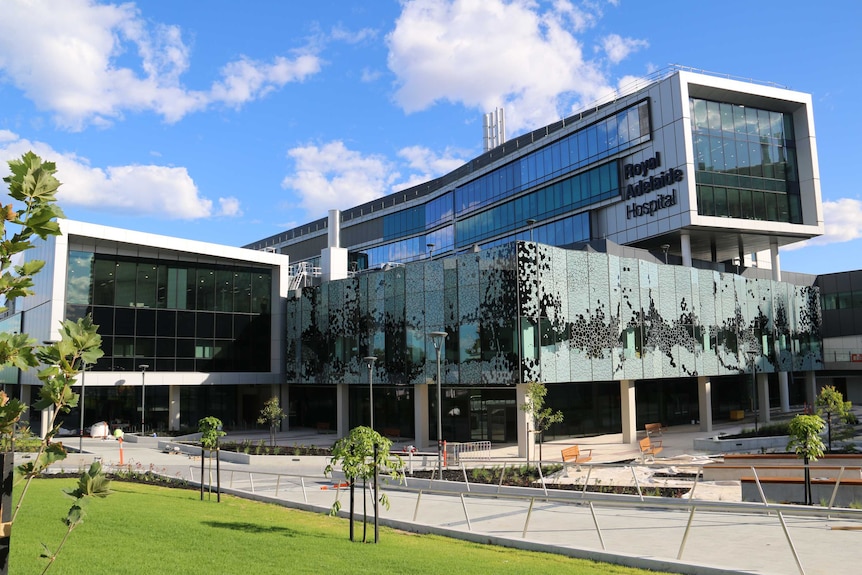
(231,121)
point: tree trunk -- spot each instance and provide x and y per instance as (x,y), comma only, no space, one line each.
(807,482)
(352,482)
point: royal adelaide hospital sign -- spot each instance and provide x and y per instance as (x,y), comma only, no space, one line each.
(645,185)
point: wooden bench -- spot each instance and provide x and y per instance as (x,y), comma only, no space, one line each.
(573,455)
(649,448)
(652,428)
(392,432)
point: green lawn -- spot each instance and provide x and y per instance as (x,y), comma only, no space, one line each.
(146,529)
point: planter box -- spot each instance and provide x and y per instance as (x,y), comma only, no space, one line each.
(719,445)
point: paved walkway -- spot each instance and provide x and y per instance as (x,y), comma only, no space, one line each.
(651,536)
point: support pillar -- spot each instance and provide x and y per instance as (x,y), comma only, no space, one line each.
(685,248)
(704,402)
(342,403)
(776,260)
(174,407)
(628,413)
(784,392)
(25,397)
(526,440)
(45,426)
(421,417)
(810,387)
(763,397)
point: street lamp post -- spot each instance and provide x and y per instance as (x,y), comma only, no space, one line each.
(438,337)
(143,367)
(81,428)
(369,363)
(531,222)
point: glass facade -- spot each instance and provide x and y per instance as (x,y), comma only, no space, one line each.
(745,162)
(457,220)
(173,316)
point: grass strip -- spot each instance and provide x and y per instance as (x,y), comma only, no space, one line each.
(148,529)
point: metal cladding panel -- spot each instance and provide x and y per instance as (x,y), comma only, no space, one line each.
(433,275)
(553,297)
(594,308)
(468,269)
(604,325)
(528,307)
(731,317)
(781,322)
(649,289)
(686,345)
(414,278)
(468,289)
(578,316)
(498,313)
(666,326)
(631,315)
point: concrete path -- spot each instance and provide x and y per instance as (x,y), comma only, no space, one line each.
(649,536)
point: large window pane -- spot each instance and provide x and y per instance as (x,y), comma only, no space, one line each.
(125,274)
(78,280)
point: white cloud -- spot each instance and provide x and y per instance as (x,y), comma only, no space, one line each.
(484,54)
(66,57)
(162,192)
(331,176)
(618,48)
(229,207)
(842,222)
(353,37)
(428,164)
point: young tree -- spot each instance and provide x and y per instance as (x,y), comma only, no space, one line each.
(804,431)
(830,403)
(211,429)
(543,417)
(272,414)
(362,454)
(33,186)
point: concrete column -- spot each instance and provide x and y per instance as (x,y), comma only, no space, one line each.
(342,401)
(704,402)
(776,260)
(783,392)
(174,407)
(763,397)
(685,248)
(421,417)
(810,387)
(45,427)
(628,413)
(24,397)
(526,440)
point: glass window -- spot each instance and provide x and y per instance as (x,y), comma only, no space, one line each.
(707,203)
(78,284)
(205,289)
(745,207)
(733,209)
(716,151)
(147,285)
(104,282)
(720,201)
(124,292)
(700,122)
(726,118)
(739,120)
